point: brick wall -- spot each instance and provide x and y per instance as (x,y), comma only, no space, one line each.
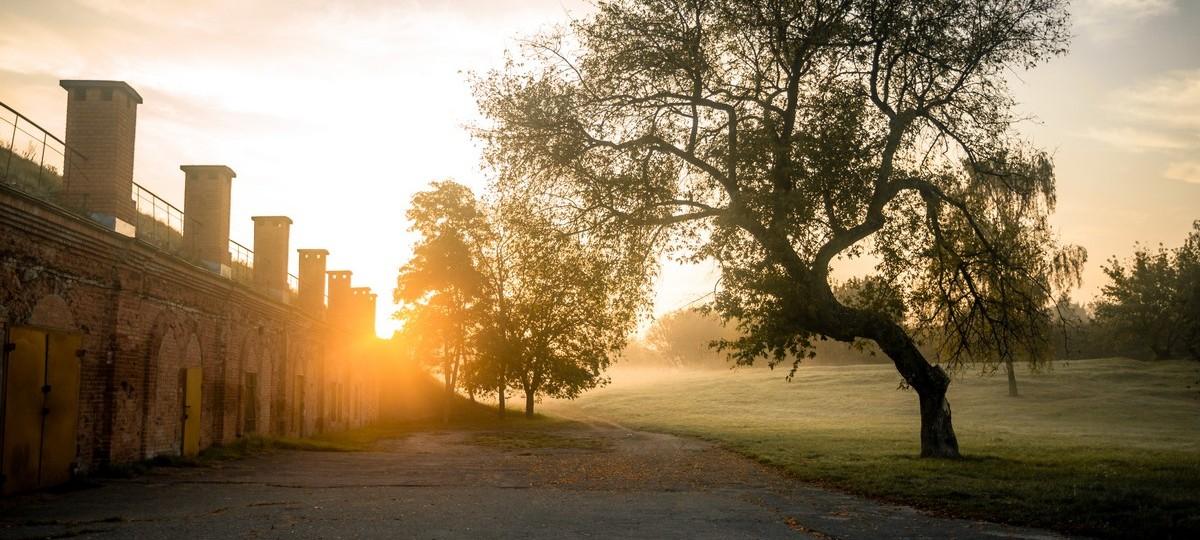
(144,315)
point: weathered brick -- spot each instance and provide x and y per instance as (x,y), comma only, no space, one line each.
(145,314)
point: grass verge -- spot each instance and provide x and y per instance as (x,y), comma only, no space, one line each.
(244,447)
(512,432)
(1107,448)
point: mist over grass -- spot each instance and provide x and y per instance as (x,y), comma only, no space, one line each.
(1107,447)
(1110,401)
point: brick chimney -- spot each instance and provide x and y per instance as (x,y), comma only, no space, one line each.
(368,317)
(101,125)
(340,300)
(271,252)
(312,280)
(359,315)
(206,199)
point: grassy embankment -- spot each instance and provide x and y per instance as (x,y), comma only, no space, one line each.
(1108,448)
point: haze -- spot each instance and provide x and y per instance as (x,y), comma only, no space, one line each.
(335,113)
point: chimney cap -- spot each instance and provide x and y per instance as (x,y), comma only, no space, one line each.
(268,219)
(199,168)
(68,84)
(313,250)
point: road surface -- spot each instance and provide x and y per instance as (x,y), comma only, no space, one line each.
(580,481)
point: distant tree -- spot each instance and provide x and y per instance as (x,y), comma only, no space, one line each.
(439,285)
(558,309)
(1074,335)
(776,137)
(496,340)
(683,338)
(1187,261)
(1153,299)
(639,355)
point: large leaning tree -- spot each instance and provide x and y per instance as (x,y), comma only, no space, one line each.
(781,136)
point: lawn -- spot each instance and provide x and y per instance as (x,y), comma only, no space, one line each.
(1107,448)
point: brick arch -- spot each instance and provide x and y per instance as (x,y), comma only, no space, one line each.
(173,347)
(252,360)
(282,385)
(270,364)
(52,311)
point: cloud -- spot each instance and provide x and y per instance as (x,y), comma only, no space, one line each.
(1105,20)
(1158,115)
(1184,171)
(1133,8)
(1172,100)
(1139,140)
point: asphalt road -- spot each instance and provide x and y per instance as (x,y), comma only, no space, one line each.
(580,482)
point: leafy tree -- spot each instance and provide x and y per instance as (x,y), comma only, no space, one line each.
(1153,299)
(777,137)
(439,285)
(1187,259)
(556,309)
(682,338)
(639,355)
(496,340)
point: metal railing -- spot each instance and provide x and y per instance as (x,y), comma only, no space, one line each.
(32,160)
(241,262)
(159,222)
(293,285)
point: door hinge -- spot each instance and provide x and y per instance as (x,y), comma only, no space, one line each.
(45,411)
(10,347)
(45,389)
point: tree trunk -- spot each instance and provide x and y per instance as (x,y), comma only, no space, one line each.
(500,392)
(1012,377)
(937,430)
(930,382)
(448,394)
(528,404)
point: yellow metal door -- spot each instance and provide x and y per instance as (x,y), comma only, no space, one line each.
(24,376)
(61,409)
(191,411)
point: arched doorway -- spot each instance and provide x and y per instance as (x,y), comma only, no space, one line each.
(41,377)
(173,412)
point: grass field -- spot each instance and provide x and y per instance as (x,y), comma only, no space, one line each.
(1107,448)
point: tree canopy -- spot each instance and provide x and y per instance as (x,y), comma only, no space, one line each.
(497,297)
(440,284)
(1152,302)
(778,137)
(557,309)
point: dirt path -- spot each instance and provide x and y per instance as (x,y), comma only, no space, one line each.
(585,481)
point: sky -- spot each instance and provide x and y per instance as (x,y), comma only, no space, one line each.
(335,113)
